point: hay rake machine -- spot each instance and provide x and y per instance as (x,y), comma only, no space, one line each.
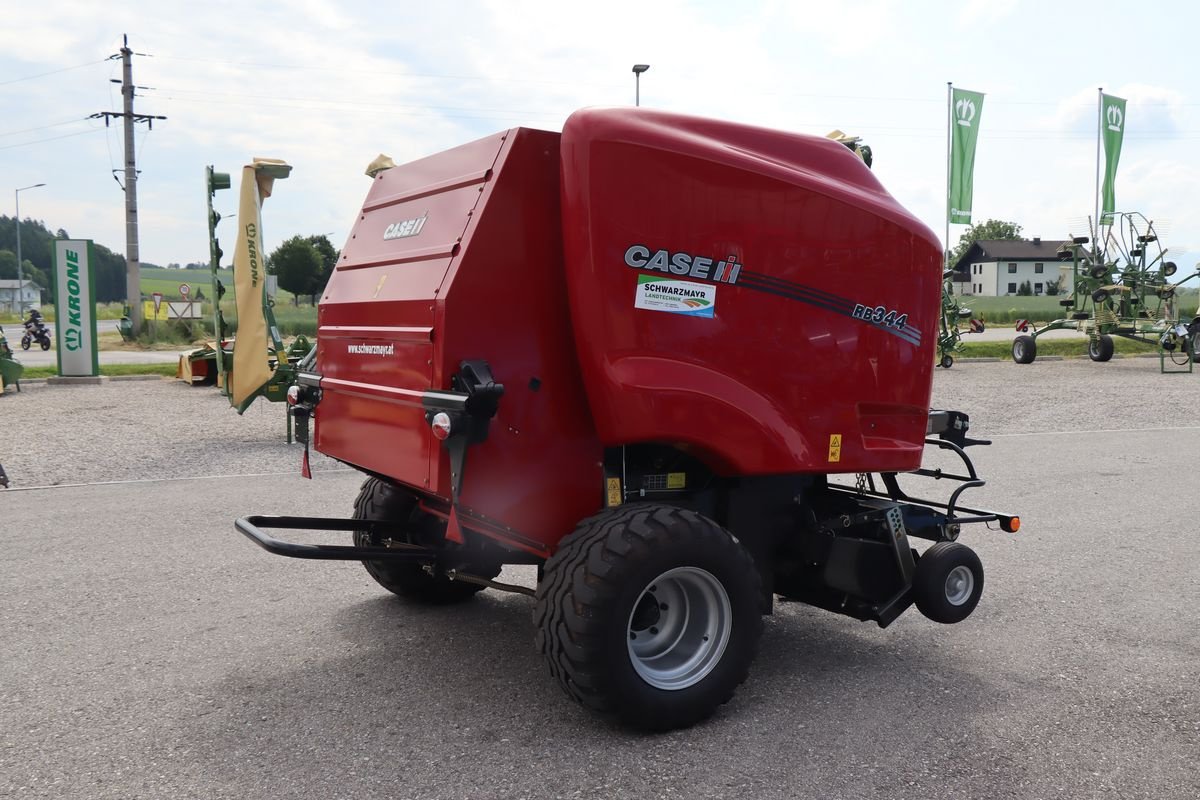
(1124,288)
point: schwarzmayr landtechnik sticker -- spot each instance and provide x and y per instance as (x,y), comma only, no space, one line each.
(675,296)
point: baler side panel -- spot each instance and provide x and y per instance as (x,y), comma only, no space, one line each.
(504,301)
(773,372)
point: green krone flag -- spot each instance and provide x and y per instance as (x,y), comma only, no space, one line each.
(966,108)
(1112,129)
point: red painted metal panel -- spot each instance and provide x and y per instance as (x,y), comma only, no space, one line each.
(788,239)
(398,319)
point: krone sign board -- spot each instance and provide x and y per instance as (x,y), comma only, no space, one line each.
(75,307)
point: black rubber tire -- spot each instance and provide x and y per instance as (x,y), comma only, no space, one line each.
(590,588)
(25,342)
(1100,348)
(45,343)
(929,582)
(947,361)
(380,500)
(1024,349)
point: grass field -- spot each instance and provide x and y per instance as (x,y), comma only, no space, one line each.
(167,281)
(1041,309)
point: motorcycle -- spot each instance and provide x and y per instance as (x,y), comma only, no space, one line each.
(35,331)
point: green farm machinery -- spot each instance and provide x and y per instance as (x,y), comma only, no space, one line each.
(1124,288)
(10,368)
(950,325)
(256,363)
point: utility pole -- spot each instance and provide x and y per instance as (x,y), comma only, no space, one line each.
(133,272)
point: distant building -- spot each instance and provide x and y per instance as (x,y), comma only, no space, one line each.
(998,267)
(17,295)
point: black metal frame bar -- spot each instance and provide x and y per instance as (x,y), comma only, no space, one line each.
(969,481)
(253,527)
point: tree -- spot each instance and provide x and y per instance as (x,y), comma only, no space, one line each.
(1025,290)
(992,229)
(298,265)
(1053,287)
(329,259)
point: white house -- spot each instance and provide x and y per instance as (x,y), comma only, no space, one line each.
(16,296)
(994,268)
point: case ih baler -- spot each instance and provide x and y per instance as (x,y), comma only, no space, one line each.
(633,354)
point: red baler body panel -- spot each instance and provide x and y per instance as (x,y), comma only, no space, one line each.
(770,371)
(482,278)
(581,278)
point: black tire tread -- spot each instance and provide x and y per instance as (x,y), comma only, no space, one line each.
(930,597)
(586,573)
(379,500)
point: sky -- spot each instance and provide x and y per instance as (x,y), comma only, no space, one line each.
(328,86)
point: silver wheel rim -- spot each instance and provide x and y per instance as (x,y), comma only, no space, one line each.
(959,585)
(679,628)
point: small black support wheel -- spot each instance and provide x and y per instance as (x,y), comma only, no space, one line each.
(947,361)
(25,342)
(380,500)
(650,614)
(1024,349)
(948,582)
(1100,348)
(45,344)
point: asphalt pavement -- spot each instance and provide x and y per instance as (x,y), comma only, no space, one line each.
(150,651)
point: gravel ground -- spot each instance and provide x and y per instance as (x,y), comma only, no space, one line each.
(131,430)
(148,651)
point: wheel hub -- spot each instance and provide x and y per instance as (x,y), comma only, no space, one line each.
(679,628)
(960,583)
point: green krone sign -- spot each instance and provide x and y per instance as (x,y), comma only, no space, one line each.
(75,308)
(966,108)
(1112,130)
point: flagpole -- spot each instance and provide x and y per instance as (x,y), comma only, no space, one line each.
(1099,136)
(949,135)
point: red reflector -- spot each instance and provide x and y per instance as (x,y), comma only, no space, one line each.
(441,425)
(1014,525)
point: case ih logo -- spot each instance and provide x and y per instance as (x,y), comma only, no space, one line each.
(965,111)
(408,227)
(1115,118)
(680,263)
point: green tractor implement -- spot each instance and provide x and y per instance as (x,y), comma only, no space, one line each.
(1124,288)
(950,328)
(259,373)
(10,369)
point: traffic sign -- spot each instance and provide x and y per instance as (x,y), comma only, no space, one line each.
(184,289)
(157,301)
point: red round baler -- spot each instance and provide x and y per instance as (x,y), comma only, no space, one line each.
(633,354)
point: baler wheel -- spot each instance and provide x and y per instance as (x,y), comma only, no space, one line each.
(1100,348)
(380,500)
(651,614)
(948,582)
(1024,349)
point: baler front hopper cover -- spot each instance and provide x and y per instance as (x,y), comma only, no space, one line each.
(751,295)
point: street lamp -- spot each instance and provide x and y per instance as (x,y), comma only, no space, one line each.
(638,69)
(20,295)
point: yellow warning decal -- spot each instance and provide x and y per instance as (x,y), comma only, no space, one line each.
(614,492)
(835,447)
(676,480)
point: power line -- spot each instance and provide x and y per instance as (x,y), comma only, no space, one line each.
(51,139)
(52,72)
(44,127)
